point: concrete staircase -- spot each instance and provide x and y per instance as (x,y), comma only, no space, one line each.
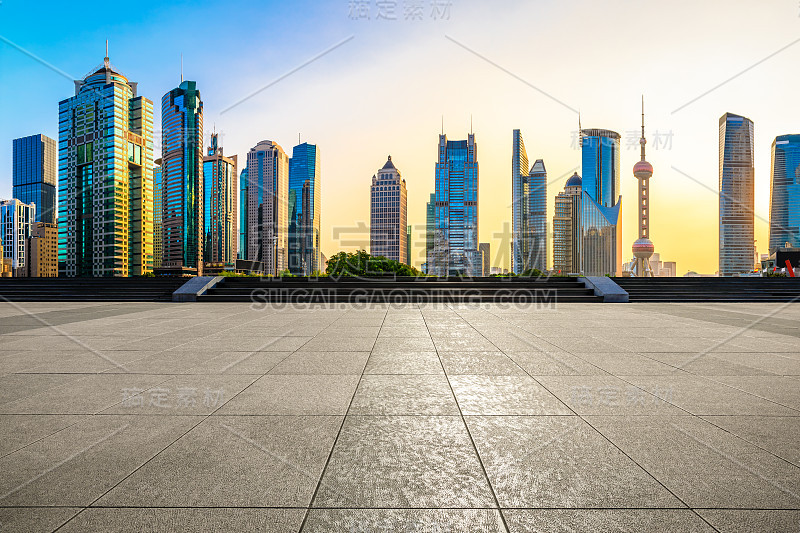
(400,290)
(88,289)
(743,289)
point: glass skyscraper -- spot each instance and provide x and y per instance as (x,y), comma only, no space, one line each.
(182,177)
(455,251)
(388,235)
(268,206)
(158,210)
(304,210)
(105,198)
(736,195)
(529,209)
(601,216)
(220,230)
(35,175)
(243,224)
(784,192)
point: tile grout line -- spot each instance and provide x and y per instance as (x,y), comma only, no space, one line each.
(206,417)
(600,433)
(466,427)
(339,432)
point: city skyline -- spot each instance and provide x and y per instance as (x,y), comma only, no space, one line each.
(684,150)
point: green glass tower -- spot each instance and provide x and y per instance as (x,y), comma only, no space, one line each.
(105,204)
(182,178)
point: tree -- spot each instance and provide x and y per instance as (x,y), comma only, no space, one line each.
(362,264)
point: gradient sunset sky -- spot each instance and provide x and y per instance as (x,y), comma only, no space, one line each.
(362,89)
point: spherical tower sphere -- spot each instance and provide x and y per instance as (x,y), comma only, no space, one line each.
(643,249)
(643,169)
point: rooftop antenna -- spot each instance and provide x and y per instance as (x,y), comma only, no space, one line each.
(105,59)
(642,142)
(470,123)
(298,137)
(181,68)
(580,130)
(442,124)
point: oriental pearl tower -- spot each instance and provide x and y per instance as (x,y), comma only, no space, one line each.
(643,247)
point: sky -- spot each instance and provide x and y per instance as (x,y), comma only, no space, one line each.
(364,82)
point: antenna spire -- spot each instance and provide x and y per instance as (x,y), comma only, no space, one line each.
(443,124)
(643,141)
(470,123)
(105,59)
(580,130)
(181,68)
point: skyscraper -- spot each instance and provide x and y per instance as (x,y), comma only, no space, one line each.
(430,231)
(158,212)
(221,233)
(529,210)
(304,210)
(567,228)
(35,175)
(388,214)
(182,180)
(784,192)
(643,247)
(486,258)
(243,223)
(268,206)
(105,198)
(455,250)
(736,195)
(601,222)
(16,227)
(408,246)
(42,251)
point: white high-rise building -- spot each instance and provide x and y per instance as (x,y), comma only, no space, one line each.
(268,206)
(16,226)
(388,235)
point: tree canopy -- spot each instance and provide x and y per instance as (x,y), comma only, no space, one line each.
(362,264)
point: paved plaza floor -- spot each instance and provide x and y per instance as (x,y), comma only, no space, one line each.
(227,417)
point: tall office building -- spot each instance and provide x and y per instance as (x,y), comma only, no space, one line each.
(784,192)
(268,206)
(16,227)
(42,249)
(736,195)
(388,214)
(304,210)
(455,250)
(182,180)
(158,213)
(430,231)
(243,223)
(35,175)
(567,227)
(601,218)
(105,195)
(486,258)
(220,230)
(529,210)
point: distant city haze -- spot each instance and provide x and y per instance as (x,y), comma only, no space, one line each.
(397,76)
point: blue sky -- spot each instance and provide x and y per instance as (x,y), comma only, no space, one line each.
(384,91)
